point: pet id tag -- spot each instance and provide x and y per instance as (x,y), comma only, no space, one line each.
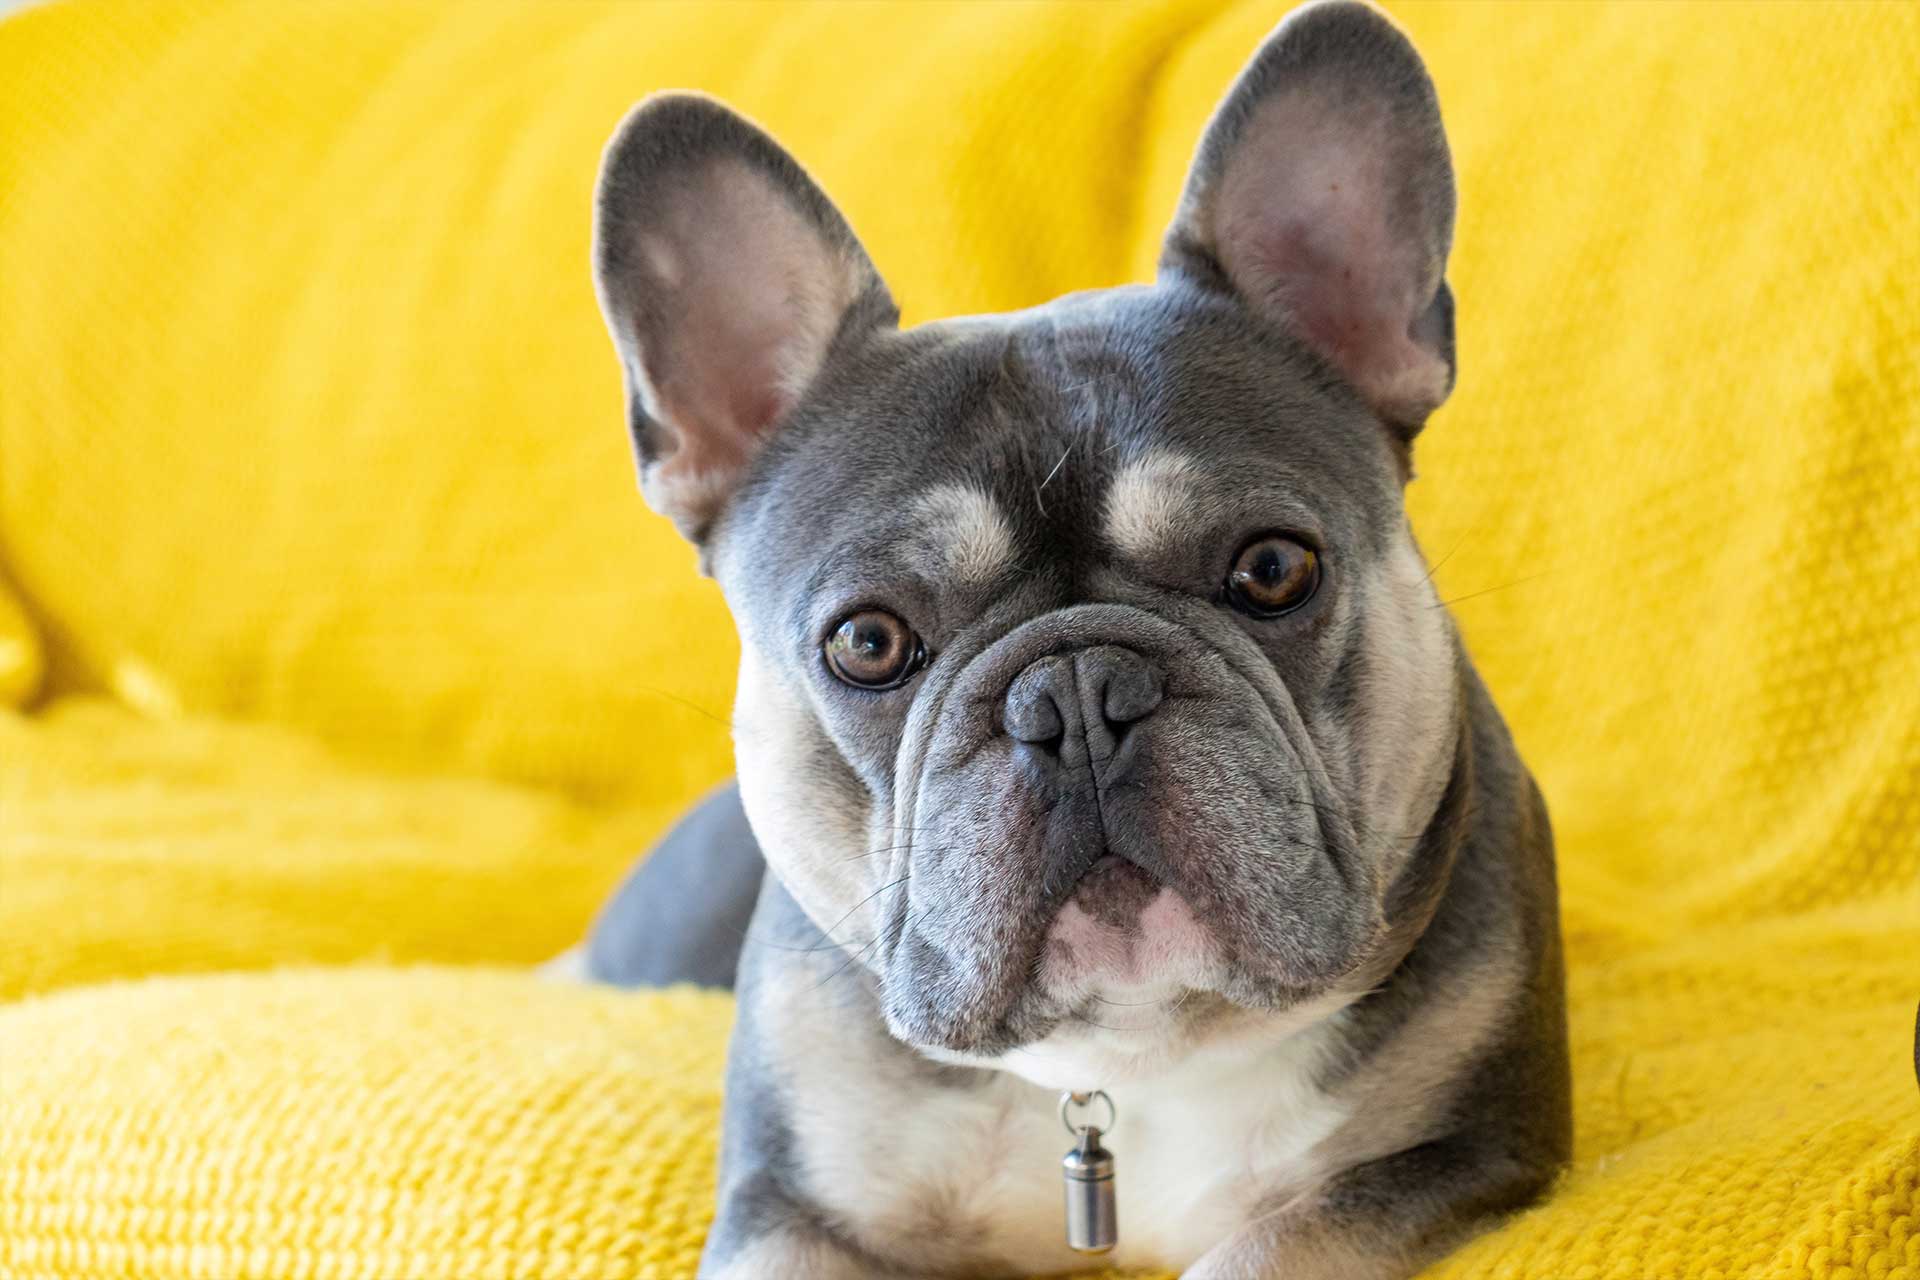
(1087,1171)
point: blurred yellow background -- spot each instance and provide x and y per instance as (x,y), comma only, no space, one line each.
(359,645)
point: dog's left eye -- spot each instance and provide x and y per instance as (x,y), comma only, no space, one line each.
(1272,575)
(873,649)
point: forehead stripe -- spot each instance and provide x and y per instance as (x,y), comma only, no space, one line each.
(964,529)
(1145,502)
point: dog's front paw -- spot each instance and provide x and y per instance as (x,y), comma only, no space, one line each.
(1236,1260)
(793,1252)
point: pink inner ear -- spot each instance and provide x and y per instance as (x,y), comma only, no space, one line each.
(1304,227)
(750,295)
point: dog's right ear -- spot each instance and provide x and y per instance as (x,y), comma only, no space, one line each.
(727,278)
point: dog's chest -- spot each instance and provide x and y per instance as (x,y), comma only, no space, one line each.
(975,1172)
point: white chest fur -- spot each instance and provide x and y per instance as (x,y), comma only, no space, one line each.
(959,1173)
(1205,1146)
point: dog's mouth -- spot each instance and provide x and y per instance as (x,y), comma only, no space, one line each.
(1126,979)
(1115,890)
(1125,931)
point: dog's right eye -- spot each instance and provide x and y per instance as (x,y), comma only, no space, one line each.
(1272,575)
(872,649)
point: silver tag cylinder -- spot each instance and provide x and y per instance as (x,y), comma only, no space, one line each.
(1087,1171)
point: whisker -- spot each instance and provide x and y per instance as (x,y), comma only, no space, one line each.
(1435,566)
(852,956)
(1127,1004)
(1487,591)
(656,691)
(1083,1020)
(829,943)
(895,848)
(1040,501)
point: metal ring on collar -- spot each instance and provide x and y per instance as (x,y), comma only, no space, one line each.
(1072,1099)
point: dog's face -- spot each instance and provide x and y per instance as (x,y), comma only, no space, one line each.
(1093,693)
(1088,664)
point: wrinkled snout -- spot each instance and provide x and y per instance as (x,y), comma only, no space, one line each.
(1105,808)
(1072,709)
(1073,717)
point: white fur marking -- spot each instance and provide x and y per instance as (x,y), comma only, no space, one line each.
(661,260)
(1146,500)
(791,1253)
(569,966)
(965,530)
(804,830)
(1199,1143)
(1165,952)
(1408,694)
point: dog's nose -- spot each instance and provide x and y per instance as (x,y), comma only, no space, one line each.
(1070,704)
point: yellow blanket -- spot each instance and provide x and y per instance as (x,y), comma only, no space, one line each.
(359,646)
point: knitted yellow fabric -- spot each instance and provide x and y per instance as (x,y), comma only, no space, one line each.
(360,646)
(133,845)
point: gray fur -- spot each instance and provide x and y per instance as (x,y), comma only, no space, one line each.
(709,859)
(1329,795)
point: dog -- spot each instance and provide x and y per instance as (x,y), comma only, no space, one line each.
(1111,780)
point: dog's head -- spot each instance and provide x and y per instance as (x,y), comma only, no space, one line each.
(1092,689)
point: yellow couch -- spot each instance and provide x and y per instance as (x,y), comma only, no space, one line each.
(347,670)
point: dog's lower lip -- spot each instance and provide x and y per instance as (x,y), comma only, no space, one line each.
(1115,886)
(1118,864)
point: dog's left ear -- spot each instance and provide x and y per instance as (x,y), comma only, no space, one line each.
(1322,196)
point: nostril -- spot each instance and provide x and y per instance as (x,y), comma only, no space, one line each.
(1122,684)
(1035,720)
(1093,694)
(1032,710)
(1133,692)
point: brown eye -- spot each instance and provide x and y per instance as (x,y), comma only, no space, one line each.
(874,650)
(1272,575)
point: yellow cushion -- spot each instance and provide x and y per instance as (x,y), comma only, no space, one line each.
(306,418)
(427,1124)
(1738,1118)
(131,845)
(22,659)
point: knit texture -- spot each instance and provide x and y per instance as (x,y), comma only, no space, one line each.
(360,647)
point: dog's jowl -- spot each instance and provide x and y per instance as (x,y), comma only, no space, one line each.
(1099,729)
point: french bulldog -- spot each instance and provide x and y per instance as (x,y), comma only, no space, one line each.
(1099,728)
